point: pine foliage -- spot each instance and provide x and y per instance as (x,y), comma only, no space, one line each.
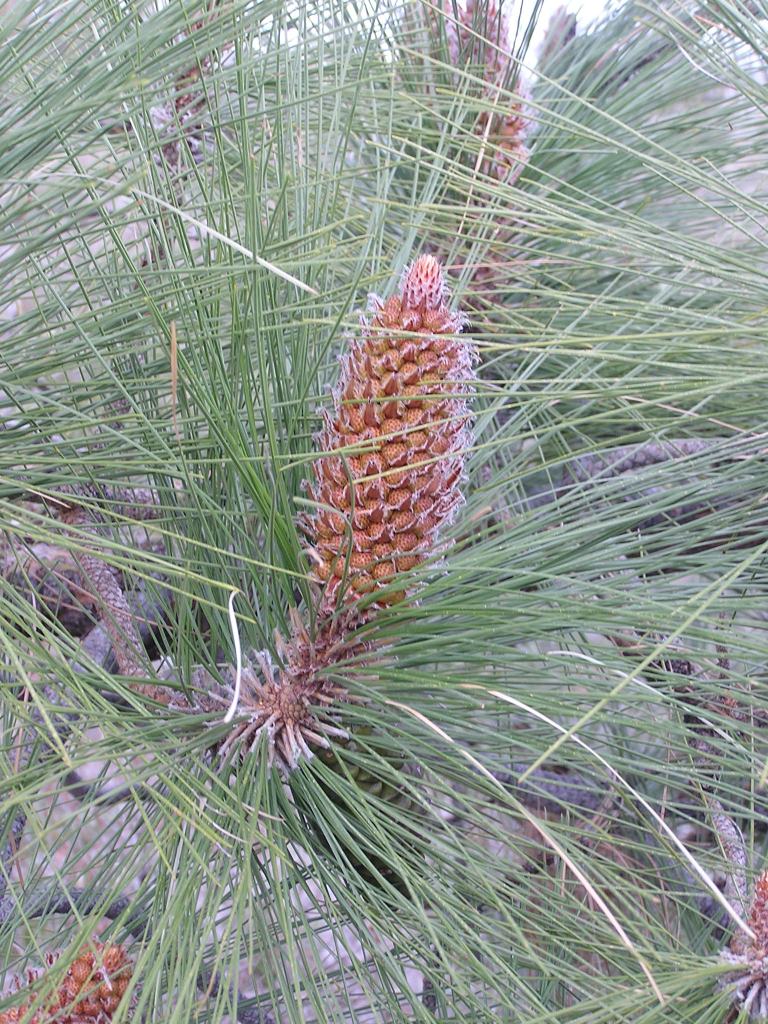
(540,793)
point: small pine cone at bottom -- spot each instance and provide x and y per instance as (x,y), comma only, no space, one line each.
(93,988)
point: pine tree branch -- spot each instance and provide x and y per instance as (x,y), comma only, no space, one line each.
(102,580)
(7,861)
(137,503)
(50,899)
(607,464)
(98,645)
(117,617)
(553,791)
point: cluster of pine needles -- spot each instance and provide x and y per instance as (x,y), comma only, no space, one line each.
(395,665)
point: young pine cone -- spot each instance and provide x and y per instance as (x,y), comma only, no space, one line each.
(90,993)
(482,37)
(400,428)
(396,443)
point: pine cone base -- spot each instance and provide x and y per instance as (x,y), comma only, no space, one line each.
(748,981)
(293,709)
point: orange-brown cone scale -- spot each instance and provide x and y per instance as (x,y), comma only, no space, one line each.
(758,916)
(90,993)
(390,477)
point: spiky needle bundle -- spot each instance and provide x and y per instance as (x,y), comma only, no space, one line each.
(748,980)
(90,993)
(483,36)
(389,479)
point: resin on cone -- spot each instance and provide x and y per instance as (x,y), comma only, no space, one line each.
(398,436)
(90,992)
